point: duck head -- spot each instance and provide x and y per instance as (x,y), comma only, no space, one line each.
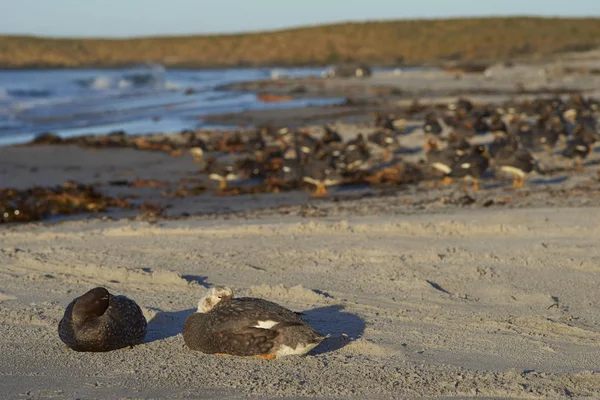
(214,297)
(481,150)
(92,304)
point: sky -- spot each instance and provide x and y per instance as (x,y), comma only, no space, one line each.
(128,18)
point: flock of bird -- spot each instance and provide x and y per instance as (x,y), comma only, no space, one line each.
(288,159)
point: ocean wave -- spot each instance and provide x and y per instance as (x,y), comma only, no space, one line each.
(147,76)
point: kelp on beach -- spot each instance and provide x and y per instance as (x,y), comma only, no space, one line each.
(39,203)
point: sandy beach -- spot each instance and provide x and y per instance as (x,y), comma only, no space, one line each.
(465,303)
(426,290)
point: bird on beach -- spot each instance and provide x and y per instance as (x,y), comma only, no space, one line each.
(441,160)
(577,149)
(330,135)
(471,166)
(385,140)
(517,162)
(247,327)
(221,172)
(321,173)
(99,321)
(432,125)
(355,154)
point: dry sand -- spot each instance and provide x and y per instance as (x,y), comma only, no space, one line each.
(500,303)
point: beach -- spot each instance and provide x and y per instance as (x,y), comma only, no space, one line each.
(426,290)
(466,303)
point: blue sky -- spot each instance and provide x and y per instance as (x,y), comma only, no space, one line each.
(123,18)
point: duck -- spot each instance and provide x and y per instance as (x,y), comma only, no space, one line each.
(547,133)
(99,321)
(432,125)
(321,173)
(460,145)
(330,135)
(517,162)
(355,154)
(500,141)
(256,143)
(480,126)
(386,140)
(390,122)
(221,172)
(525,134)
(441,160)
(578,149)
(247,327)
(286,174)
(497,124)
(471,166)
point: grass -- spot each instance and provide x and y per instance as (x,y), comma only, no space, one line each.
(380,43)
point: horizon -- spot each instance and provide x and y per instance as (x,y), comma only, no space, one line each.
(114,19)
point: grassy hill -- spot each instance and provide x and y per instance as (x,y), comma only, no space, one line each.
(381,43)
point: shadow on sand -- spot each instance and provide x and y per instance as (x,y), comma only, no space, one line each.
(343,327)
(200,280)
(549,181)
(166,324)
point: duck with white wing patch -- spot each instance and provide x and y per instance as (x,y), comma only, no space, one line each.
(247,327)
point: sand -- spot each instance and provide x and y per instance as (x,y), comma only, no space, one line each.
(500,303)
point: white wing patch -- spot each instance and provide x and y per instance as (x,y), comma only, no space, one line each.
(512,170)
(465,165)
(442,167)
(581,148)
(266,324)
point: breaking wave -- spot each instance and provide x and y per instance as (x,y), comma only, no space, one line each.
(144,77)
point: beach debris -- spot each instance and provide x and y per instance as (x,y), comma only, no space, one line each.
(273,98)
(39,203)
(273,159)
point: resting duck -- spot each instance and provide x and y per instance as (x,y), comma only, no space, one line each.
(497,124)
(321,173)
(517,162)
(355,154)
(390,122)
(578,149)
(247,327)
(99,321)
(286,174)
(331,136)
(387,141)
(221,172)
(471,166)
(441,160)
(547,133)
(432,125)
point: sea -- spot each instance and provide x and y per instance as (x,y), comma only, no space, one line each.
(142,99)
